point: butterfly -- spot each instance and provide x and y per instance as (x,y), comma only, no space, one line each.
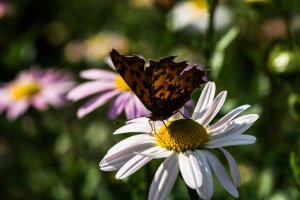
(164,86)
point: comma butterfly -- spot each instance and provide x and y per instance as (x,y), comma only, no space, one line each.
(164,86)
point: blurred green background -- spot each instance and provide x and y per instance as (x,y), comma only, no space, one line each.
(255,57)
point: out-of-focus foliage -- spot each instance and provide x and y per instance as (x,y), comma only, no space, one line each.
(54,155)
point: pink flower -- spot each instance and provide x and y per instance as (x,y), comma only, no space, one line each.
(104,85)
(5,8)
(36,87)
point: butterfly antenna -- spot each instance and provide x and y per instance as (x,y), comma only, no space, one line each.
(118,122)
(153,130)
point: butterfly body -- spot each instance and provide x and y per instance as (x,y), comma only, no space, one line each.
(164,86)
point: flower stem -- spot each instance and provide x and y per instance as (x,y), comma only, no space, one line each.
(192,193)
(210,29)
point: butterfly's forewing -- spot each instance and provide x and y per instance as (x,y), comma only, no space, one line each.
(172,86)
(132,69)
(192,77)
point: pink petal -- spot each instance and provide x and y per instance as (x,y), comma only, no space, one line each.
(96,102)
(96,74)
(53,98)
(129,109)
(4,99)
(59,87)
(16,109)
(89,88)
(141,110)
(109,62)
(118,105)
(39,102)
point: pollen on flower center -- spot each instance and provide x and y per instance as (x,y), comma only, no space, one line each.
(181,135)
(201,5)
(121,84)
(20,91)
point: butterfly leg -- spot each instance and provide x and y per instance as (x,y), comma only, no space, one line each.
(152,124)
(181,112)
(166,127)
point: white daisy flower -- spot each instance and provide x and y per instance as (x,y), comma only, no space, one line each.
(187,145)
(195,13)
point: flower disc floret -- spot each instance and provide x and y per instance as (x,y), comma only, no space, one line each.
(20,91)
(121,84)
(181,135)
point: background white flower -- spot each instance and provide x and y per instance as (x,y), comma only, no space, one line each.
(195,13)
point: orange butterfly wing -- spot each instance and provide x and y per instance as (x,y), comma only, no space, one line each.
(172,85)
(164,86)
(132,69)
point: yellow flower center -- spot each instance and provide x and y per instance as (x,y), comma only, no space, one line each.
(201,5)
(121,84)
(181,135)
(20,91)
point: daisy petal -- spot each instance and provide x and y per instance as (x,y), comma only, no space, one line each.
(144,120)
(190,170)
(5,98)
(89,88)
(213,109)
(17,109)
(135,163)
(131,109)
(39,102)
(132,141)
(206,190)
(96,74)
(221,174)
(123,151)
(164,179)
(231,141)
(95,103)
(236,126)
(219,125)
(157,152)
(205,100)
(53,98)
(118,105)
(116,161)
(138,120)
(234,170)
(140,125)
(141,110)
(134,128)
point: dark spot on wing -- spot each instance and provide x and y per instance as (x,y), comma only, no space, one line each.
(145,84)
(141,67)
(170,88)
(138,75)
(188,79)
(134,84)
(142,92)
(132,72)
(121,72)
